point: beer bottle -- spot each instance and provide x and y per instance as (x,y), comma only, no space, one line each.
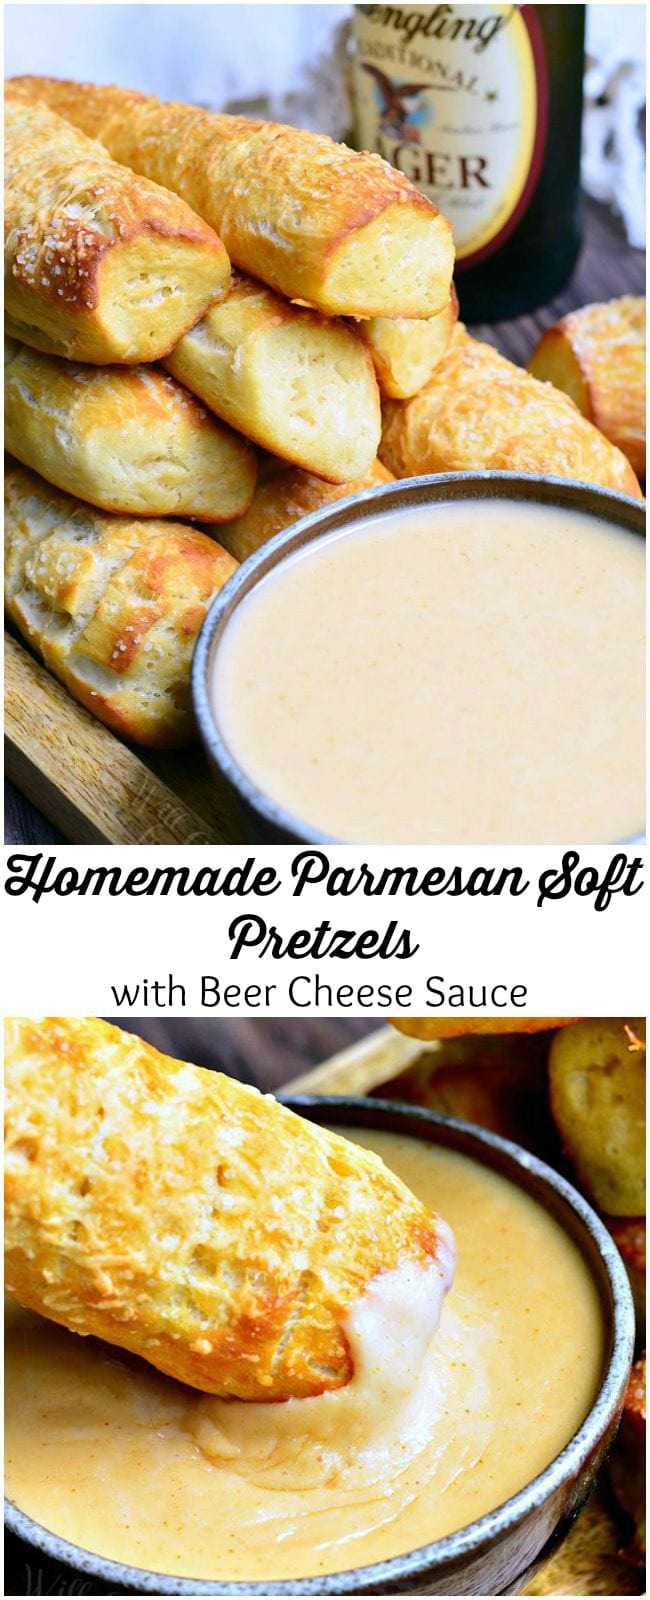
(481,107)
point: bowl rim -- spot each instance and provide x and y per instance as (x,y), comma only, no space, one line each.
(608,504)
(379,1577)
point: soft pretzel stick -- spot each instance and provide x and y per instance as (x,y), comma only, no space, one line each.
(429,1028)
(184,1216)
(338,229)
(101,265)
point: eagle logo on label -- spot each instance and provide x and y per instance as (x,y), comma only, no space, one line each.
(400,110)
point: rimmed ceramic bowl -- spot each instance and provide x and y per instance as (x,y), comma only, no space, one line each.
(262,818)
(496,1554)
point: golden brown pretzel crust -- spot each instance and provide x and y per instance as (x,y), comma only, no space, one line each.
(332,227)
(299,384)
(112,605)
(100,265)
(406,352)
(283,495)
(597,1095)
(188,1218)
(597,356)
(453,1027)
(127,439)
(479,411)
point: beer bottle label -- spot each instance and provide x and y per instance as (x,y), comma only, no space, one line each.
(456,98)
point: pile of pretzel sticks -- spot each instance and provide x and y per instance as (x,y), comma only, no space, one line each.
(229,323)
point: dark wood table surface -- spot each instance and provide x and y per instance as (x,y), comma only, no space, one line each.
(606,267)
(263,1051)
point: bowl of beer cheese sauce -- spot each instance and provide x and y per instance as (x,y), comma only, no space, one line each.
(445,660)
(456,1456)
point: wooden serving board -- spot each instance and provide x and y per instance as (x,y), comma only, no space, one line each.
(367,1064)
(92,786)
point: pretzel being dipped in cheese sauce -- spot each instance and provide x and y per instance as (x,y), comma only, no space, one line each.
(193,1221)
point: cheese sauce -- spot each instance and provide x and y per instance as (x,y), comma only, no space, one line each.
(437,1427)
(468,673)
